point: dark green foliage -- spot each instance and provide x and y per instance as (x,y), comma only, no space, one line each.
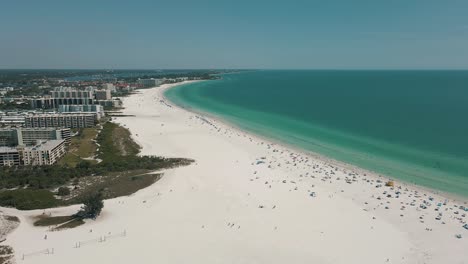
(72,224)
(76,181)
(28,199)
(59,222)
(63,191)
(118,184)
(92,207)
(54,220)
(37,177)
(45,177)
(116,158)
(116,143)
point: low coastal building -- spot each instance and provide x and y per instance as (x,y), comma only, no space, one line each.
(109,86)
(146,83)
(128,89)
(70,120)
(103,94)
(45,153)
(9,156)
(110,103)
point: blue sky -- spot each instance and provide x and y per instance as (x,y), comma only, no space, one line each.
(332,34)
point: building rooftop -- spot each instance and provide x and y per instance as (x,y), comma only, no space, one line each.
(7,149)
(32,128)
(63,114)
(46,145)
(41,128)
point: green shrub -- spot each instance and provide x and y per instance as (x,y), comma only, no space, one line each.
(92,207)
(63,191)
(28,199)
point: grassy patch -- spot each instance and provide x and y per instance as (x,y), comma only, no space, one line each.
(52,220)
(72,224)
(114,184)
(86,147)
(61,222)
(26,199)
(116,143)
(129,183)
(81,146)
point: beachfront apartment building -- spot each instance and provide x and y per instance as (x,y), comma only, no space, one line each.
(64,96)
(110,103)
(98,110)
(30,136)
(48,102)
(10,137)
(72,96)
(103,94)
(44,153)
(71,93)
(9,156)
(110,87)
(67,120)
(146,83)
(11,121)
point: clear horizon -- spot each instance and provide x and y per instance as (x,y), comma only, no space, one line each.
(313,35)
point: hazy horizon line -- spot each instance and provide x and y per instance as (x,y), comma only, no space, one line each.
(237,69)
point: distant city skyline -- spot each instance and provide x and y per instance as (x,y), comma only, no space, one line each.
(241,34)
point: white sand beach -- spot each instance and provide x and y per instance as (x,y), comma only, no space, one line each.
(247,200)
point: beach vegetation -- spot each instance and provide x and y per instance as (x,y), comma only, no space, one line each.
(58,222)
(25,199)
(81,146)
(63,191)
(92,207)
(44,220)
(70,224)
(113,185)
(120,172)
(116,143)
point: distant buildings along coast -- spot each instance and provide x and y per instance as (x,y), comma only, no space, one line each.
(72,96)
(36,129)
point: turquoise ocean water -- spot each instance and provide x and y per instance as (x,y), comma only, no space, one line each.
(409,125)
